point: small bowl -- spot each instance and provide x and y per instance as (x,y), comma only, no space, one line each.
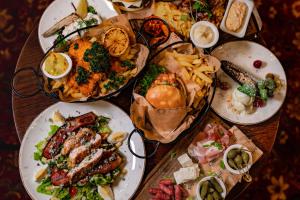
(69,60)
(213,28)
(234,171)
(221,183)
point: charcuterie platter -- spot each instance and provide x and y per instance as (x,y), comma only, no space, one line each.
(162,63)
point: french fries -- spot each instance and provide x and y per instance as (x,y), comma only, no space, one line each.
(194,68)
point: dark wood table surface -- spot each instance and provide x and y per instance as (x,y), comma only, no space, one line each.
(26,109)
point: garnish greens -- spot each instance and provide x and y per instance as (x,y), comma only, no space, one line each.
(128,64)
(248,90)
(150,76)
(91,22)
(114,81)
(82,75)
(76,46)
(60,42)
(37,155)
(98,57)
(265,89)
(214,144)
(101,125)
(92,10)
(222,165)
(203,7)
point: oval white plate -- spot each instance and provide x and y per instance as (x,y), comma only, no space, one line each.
(243,54)
(38,130)
(59,9)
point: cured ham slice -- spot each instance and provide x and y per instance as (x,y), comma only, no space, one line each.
(210,143)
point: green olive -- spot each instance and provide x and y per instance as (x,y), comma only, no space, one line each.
(216,195)
(245,157)
(238,160)
(216,185)
(232,164)
(204,189)
(209,197)
(231,154)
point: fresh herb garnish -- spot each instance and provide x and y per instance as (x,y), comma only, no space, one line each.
(92,10)
(60,42)
(150,76)
(76,46)
(114,81)
(203,7)
(173,154)
(98,57)
(91,22)
(222,165)
(128,64)
(213,144)
(248,90)
(82,75)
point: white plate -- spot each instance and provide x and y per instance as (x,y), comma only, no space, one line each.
(59,9)
(120,121)
(243,54)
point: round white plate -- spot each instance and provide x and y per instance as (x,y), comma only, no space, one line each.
(38,130)
(243,54)
(59,9)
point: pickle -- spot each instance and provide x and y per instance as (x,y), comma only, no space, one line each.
(238,160)
(216,185)
(232,164)
(231,154)
(245,157)
(216,195)
(209,197)
(204,189)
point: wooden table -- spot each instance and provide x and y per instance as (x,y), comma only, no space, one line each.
(26,109)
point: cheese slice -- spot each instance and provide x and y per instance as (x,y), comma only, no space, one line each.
(186,174)
(185,160)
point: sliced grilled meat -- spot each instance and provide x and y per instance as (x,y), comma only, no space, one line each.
(79,153)
(52,148)
(83,136)
(85,166)
(107,165)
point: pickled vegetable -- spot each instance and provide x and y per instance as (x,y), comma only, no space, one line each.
(209,197)
(216,185)
(232,164)
(232,153)
(216,195)
(238,160)
(245,157)
(204,189)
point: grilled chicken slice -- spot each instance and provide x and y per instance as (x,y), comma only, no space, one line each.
(79,153)
(83,136)
(85,166)
(62,23)
(52,148)
(108,164)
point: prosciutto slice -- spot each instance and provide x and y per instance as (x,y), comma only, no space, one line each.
(210,143)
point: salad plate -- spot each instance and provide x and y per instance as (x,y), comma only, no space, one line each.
(246,55)
(60,9)
(119,122)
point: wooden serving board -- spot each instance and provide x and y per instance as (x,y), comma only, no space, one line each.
(169,163)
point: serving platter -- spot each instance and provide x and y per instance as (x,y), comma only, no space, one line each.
(119,122)
(243,54)
(34,105)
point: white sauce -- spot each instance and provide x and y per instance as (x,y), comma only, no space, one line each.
(242,103)
(203,34)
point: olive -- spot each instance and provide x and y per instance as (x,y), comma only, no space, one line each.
(238,160)
(245,157)
(231,154)
(209,197)
(232,164)
(204,189)
(216,195)
(216,185)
